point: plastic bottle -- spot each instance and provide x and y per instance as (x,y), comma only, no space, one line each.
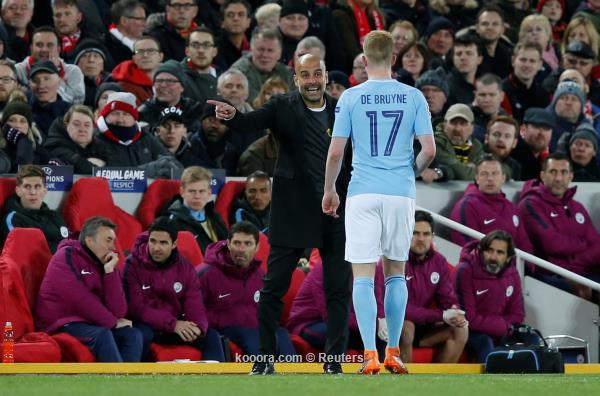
(8,344)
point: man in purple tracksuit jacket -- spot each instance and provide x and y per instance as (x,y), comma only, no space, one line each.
(230,283)
(560,228)
(308,315)
(488,287)
(162,291)
(432,318)
(484,207)
(82,294)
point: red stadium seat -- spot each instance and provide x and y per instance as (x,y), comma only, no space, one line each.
(167,353)
(188,248)
(297,279)
(154,199)
(90,197)
(30,265)
(30,347)
(7,188)
(225,199)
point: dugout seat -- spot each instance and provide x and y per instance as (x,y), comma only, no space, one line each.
(188,248)
(225,199)
(30,266)
(90,197)
(7,188)
(166,353)
(154,199)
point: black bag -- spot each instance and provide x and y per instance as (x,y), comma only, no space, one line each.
(524,350)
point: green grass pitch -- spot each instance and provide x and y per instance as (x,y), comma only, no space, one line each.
(292,384)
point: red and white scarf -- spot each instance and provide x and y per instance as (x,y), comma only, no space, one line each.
(126,41)
(70,41)
(362,22)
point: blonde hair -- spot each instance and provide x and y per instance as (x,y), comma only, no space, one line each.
(195,174)
(531,20)
(441,6)
(270,84)
(78,108)
(378,47)
(589,28)
(266,11)
(405,25)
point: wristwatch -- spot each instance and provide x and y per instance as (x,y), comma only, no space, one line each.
(438,172)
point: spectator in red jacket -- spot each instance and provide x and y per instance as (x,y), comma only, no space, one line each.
(230,283)
(162,290)
(432,318)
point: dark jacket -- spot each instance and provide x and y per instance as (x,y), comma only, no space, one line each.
(520,98)
(49,221)
(260,155)
(461,91)
(16,48)
(45,114)
(302,227)
(189,154)
(184,221)
(160,295)
(419,15)
(144,150)
(76,289)
(492,303)
(321,24)
(230,292)
(530,164)
(242,211)
(198,86)
(119,51)
(172,44)
(61,146)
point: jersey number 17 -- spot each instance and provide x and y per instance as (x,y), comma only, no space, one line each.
(397,116)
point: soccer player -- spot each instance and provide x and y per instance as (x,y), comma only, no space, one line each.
(381,116)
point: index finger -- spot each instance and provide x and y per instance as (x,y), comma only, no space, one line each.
(215,102)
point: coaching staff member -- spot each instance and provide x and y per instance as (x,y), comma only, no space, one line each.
(302,122)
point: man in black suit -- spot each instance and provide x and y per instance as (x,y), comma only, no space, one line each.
(302,123)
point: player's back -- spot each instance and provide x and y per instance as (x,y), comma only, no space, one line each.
(383,116)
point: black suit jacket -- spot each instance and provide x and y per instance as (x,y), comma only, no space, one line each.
(296,215)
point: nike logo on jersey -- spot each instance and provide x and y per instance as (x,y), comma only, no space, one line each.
(409,278)
(480,292)
(224,295)
(552,214)
(84,272)
(145,287)
(486,221)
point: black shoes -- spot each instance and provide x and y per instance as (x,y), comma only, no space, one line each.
(262,368)
(332,368)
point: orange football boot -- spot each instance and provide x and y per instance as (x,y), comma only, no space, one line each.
(371,363)
(392,362)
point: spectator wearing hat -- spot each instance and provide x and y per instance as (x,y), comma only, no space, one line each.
(46,103)
(455,148)
(534,141)
(8,81)
(490,29)
(567,106)
(434,86)
(20,140)
(337,83)
(173,134)
(520,87)
(293,25)
(135,75)
(91,57)
(45,46)
(462,13)
(128,24)
(590,10)
(128,145)
(581,147)
(167,87)
(554,10)
(236,16)
(439,37)
(200,83)
(102,92)
(262,62)
(16,20)
(417,12)
(71,140)
(354,19)
(71,27)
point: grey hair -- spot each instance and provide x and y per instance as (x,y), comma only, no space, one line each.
(92,225)
(30,3)
(266,11)
(266,33)
(231,72)
(312,42)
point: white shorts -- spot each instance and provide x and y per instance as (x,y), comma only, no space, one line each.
(378,225)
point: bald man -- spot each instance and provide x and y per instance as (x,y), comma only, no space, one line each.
(302,122)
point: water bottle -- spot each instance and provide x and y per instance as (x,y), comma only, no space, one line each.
(8,344)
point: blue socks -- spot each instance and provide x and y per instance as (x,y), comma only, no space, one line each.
(365,307)
(394,303)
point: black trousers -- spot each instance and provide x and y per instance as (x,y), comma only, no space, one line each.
(337,276)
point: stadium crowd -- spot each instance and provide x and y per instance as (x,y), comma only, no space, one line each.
(513,89)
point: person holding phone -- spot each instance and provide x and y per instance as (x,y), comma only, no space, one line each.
(82,294)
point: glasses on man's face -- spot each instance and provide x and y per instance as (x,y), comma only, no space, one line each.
(165,81)
(182,6)
(575,62)
(7,80)
(201,45)
(148,51)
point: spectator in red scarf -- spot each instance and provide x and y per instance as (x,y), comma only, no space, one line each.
(71,27)
(128,24)
(554,11)
(172,29)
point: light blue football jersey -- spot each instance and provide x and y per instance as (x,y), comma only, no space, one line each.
(382,117)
